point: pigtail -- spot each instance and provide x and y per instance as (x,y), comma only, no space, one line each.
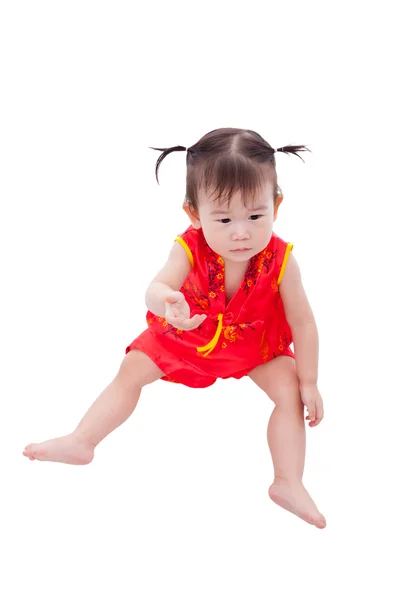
(293,150)
(165,152)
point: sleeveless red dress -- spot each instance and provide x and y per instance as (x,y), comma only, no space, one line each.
(251,330)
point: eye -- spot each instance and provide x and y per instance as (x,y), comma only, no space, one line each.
(252,217)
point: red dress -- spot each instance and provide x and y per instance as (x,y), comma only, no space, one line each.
(252,329)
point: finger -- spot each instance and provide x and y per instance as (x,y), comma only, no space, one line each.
(193,322)
(319,417)
(181,323)
(199,318)
(175,321)
(311,413)
(316,422)
(185,323)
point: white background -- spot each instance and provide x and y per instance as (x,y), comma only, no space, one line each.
(175,504)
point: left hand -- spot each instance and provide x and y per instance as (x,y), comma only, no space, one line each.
(313,402)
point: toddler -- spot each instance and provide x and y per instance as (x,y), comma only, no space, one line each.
(228,302)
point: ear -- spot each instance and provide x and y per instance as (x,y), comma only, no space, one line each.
(278,202)
(192,214)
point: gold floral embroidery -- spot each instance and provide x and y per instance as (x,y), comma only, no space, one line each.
(215,273)
(202,303)
(230,333)
(266,259)
(195,296)
(284,341)
(264,348)
(224,345)
(274,285)
(252,273)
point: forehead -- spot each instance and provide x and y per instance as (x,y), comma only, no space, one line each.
(262,196)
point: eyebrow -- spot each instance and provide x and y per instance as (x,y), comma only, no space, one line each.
(226,212)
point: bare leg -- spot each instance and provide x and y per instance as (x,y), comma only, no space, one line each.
(112,408)
(287,438)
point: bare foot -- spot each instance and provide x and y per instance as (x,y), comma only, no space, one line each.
(293,496)
(69,449)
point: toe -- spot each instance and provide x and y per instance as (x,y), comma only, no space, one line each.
(321,522)
(29,455)
(30,447)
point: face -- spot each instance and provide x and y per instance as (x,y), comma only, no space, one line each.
(228,230)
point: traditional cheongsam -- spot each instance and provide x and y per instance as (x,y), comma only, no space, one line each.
(235,338)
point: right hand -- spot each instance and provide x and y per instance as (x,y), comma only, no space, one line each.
(177,312)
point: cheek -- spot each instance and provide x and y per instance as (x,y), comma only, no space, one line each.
(216,235)
(213,229)
(268,223)
(213,235)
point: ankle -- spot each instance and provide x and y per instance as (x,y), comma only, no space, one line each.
(83,438)
(288,479)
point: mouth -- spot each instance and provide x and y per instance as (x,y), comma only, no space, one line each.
(241,250)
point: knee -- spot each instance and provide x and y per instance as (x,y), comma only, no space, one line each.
(287,395)
(137,369)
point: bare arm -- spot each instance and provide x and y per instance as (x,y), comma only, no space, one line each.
(302,323)
(169,279)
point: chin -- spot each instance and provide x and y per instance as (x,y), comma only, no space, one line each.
(240,257)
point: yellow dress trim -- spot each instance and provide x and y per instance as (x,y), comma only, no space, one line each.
(211,345)
(286,258)
(188,250)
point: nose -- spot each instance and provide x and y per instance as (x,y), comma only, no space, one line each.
(240,232)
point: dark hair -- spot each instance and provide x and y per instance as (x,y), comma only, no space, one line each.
(227,160)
